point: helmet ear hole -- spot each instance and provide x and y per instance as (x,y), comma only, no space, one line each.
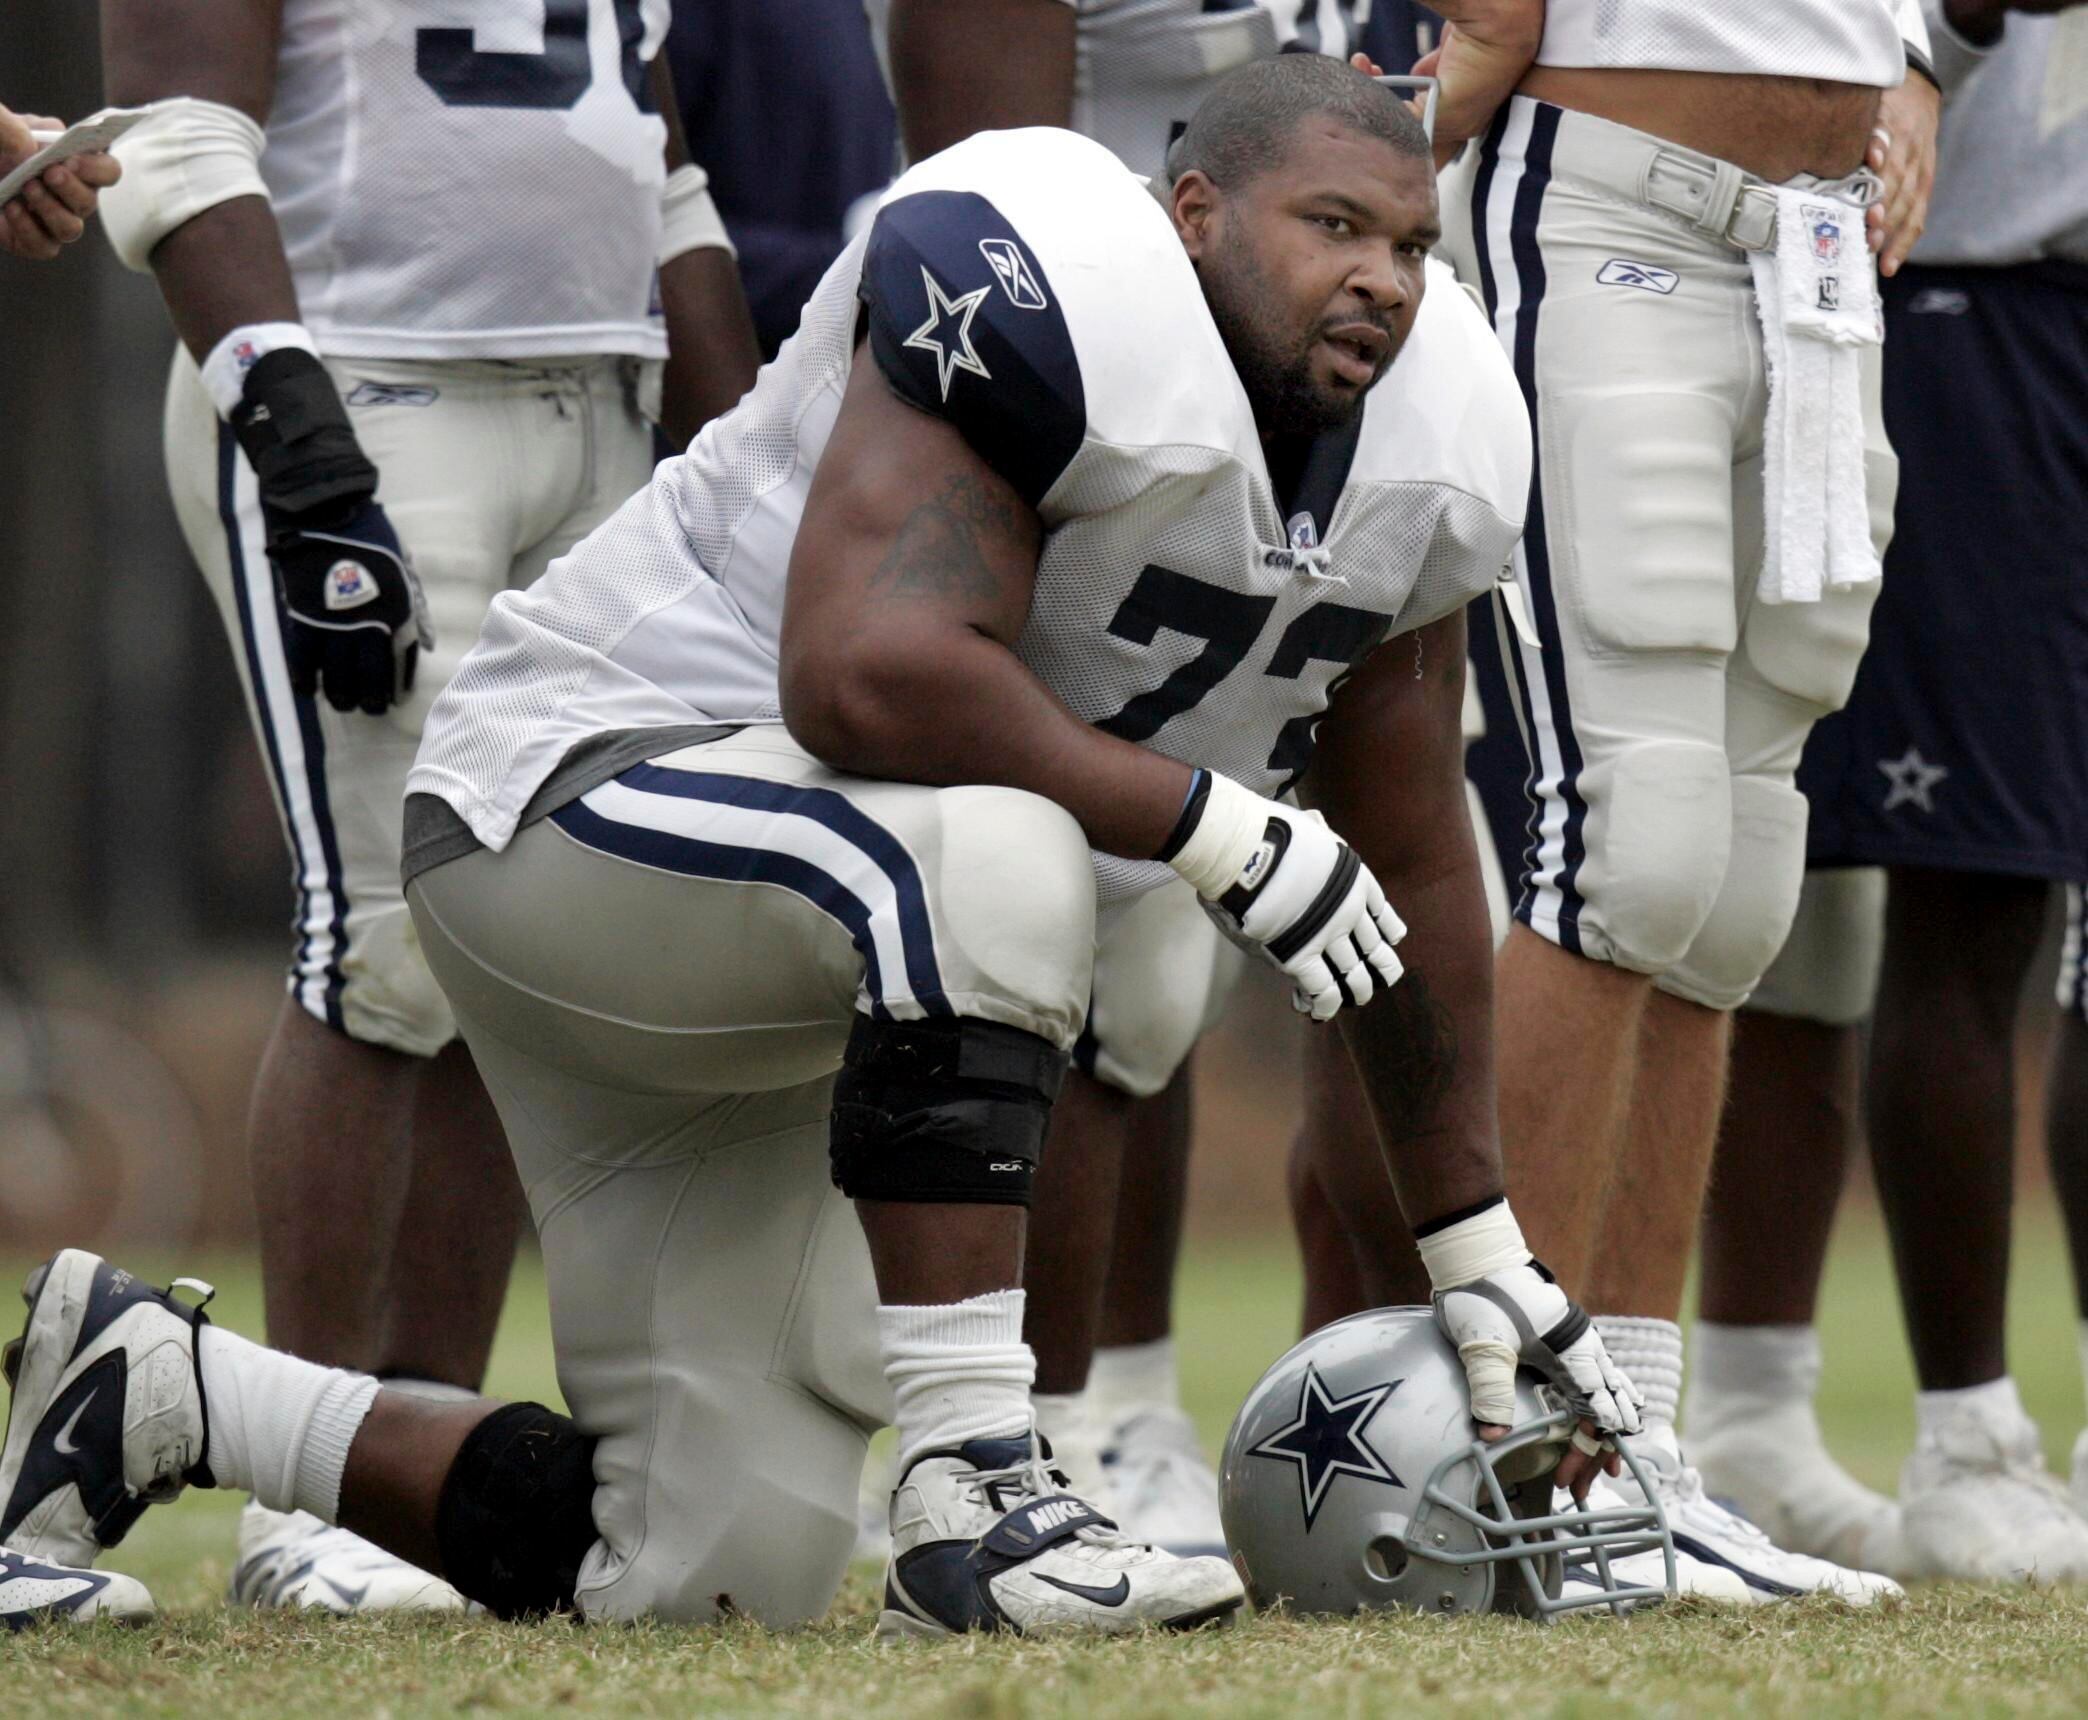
(1385,1559)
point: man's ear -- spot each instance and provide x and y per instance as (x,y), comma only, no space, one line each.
(1193,204)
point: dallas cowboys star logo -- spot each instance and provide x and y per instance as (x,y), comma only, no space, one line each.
(952,347)
(1326,1440)
(1911,776)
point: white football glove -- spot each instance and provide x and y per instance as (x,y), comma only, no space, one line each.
(1278,880)
(1501,1310)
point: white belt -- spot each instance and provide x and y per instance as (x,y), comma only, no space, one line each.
(1713,196)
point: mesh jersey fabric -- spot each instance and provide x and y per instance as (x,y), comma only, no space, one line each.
(470,178)
(1847,41)
(1174,604)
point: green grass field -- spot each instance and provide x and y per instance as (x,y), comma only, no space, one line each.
(1946,1651)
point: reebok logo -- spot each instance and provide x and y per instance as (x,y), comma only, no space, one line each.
(1012,270)
(1045,1518)
(1622,272)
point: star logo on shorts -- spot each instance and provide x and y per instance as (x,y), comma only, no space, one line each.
(1326,1440)
(1911,776)
(947,332)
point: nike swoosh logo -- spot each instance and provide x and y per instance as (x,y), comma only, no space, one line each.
(352,1597)
(64,1441)
(1114,1596)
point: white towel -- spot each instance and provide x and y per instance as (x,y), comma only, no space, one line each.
(1817,294)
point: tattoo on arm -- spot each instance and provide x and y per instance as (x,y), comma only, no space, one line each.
(937,550)
(1417,1065)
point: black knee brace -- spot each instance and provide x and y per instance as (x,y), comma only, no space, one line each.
(517,1512)
(950,1110)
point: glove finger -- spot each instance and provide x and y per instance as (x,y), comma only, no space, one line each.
(376,671)
(1365,935)
(300,661)
(1353,971)
(1390,926)
(409,665)
(1314,981)
(1386,965)
(339,676)
(1490,1377)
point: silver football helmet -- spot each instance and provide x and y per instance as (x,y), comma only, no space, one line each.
(1353,1479)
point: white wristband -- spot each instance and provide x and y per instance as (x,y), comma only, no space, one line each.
(225,370)
(689,220)
(1460,1253)
(1235,820)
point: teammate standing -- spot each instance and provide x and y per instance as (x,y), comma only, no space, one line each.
(743,902)
(1961,768)
(412,256)
(1661,216)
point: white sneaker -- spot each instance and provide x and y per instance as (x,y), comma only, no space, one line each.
(1768,1460)
(32,1592)
(1160,1487)
(291,1559)
(985,1538)
(1978,1503)
(107,1416)
(1699,1578)
(1715,1534)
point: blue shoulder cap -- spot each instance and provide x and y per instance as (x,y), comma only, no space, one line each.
(964,324)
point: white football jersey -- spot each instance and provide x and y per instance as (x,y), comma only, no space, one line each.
(1845,41)
(1141,66)
(1028,289)
(470,178)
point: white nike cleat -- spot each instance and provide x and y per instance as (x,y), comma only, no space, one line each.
(1715,1534)
(984,1538)
(32,1592)
(107,1416)
(1978,1503)
(1160,1487)
(1701,1579)
(2080,1475)
(291,1559)
(1768,1459)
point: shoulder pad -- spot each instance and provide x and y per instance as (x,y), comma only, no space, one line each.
(1449,411)
(1087,322)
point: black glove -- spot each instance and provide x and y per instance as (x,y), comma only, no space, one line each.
(353,618)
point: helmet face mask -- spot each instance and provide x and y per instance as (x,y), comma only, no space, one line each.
(1353,1479)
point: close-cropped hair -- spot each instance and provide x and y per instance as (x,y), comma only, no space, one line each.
(1246,124)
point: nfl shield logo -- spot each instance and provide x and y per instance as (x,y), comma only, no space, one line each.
(1823,227)
(1302,532)
(348,583)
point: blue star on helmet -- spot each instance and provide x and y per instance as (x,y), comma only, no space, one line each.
(1326,1440)
(947,332)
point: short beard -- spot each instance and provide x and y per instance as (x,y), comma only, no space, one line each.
(1279,383)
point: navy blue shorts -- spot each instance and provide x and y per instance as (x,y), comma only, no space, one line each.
(1964,746)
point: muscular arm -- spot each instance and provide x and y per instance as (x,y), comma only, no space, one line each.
(960,66)
(712,352)
(909,582)
(1389,775)
(225,268)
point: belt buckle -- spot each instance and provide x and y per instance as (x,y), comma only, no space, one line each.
(1752,225)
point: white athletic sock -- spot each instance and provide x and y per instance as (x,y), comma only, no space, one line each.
(1995,1406)
(959,1371)
(1650,1353)
(1776,1364)
(280,1428)
(1127,1378)
(428,1391)
(1067,1420)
